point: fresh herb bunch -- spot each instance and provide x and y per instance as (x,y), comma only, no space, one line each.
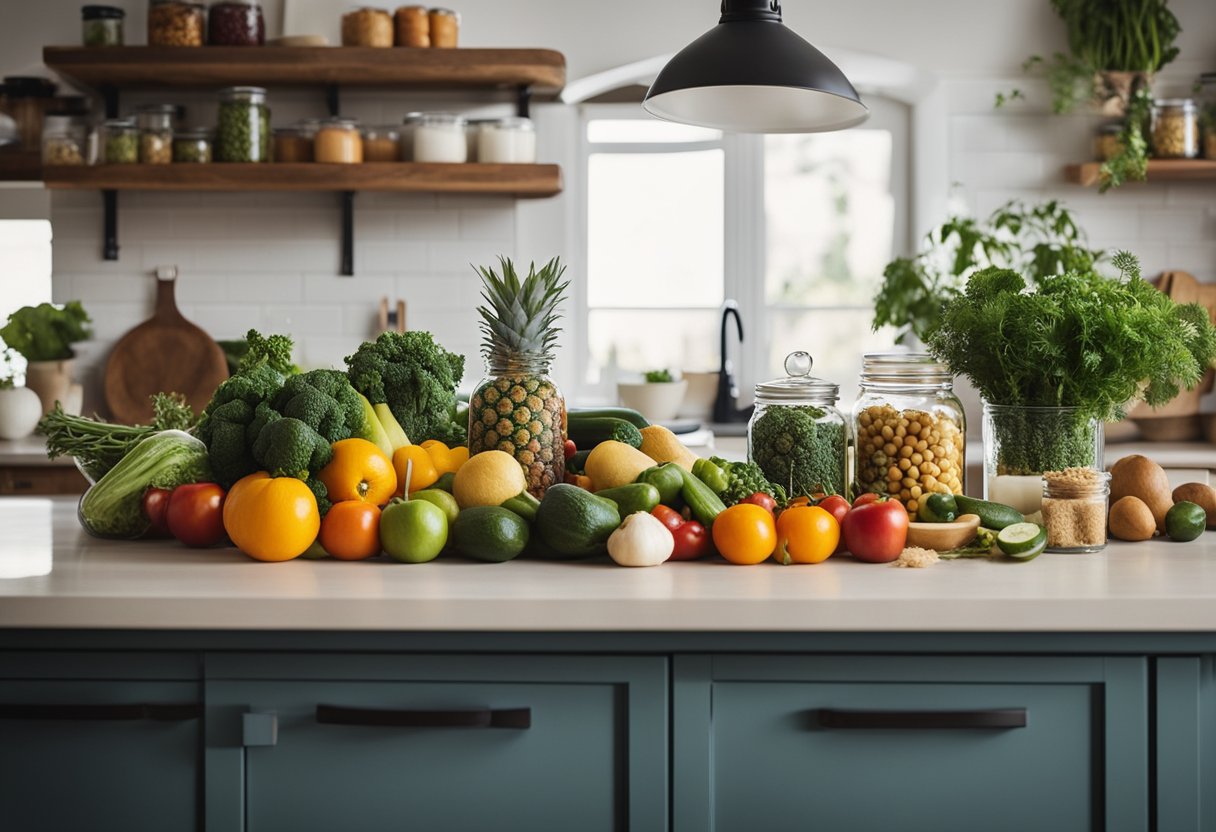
(46,332)
(658,377)
(1131,162)
(797,449)
(1039,240)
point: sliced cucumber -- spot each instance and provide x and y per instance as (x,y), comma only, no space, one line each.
(1022,541)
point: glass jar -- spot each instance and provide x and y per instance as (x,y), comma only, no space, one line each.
(1175,129)
(65,141)
(176,23)
(1020,443)
(409,125)
(236,23)
(121,141)
(242,132)
(797,435)
(101,25)
(507,141)
(192,146)
(1074,509)
(1207,114)
(444,28)
(413,26)
(293,144)
(24,99)
(439,137)
(338,142)
(367,26)
(911,430)
(156,133)
(472,128)
(381,144)
(1107,141)
(517,408)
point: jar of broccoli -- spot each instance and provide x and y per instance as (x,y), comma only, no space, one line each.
(796,435)
(242,133)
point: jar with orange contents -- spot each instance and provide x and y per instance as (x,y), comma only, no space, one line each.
(338,142)
(445,28)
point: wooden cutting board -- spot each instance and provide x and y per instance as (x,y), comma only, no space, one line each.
(166,353)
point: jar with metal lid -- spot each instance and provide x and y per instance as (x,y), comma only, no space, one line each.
(910,428)
(409,125)
(382,144)
(367,26)
(444,28)
(1074,509)
(242,132)
(65,141)
(507,140)
(413,26)
(293,144)
(192,146)
(1175,129)
(338,142)
(439,137)
(472,129)
(155,123)
(101,25)
(25,100)
(797,435)
(236,23)
(1108,141)
(121,141)
(1207,113)
(176,23)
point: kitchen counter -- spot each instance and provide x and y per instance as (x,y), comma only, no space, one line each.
(29,451)
(53,575)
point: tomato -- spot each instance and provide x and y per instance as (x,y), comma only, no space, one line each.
(359,470)
(761,499)
(876,531)
(669,517)
(745,534)
(351,530)
(155,504)
(838,507)
(806,534)
(195,514)
(569,449)
(271,519)
(867,498)
(692,541)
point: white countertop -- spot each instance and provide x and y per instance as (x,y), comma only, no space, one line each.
(28,451)
(52,575)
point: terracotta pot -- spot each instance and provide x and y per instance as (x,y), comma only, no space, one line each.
(51,380)
(1113,90)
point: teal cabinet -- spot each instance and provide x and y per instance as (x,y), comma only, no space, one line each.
(93,743)
(868,743)
(1185,721)
(437,742)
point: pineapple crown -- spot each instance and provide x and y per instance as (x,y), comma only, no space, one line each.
(519,320)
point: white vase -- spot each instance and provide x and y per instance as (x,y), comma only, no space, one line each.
(20,410)
(51,380)
(658,402)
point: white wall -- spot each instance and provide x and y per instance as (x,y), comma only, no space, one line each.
(271,260)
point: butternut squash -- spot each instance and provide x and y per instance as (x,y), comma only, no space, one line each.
(613,463)
(661,445)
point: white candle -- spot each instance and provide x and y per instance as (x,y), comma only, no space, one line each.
(440,138)
(507,141)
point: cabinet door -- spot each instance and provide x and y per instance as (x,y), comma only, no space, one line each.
(504,743)
(97,753)
(1186,743)
(909,743)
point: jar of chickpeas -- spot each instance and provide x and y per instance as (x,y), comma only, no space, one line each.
(911,430)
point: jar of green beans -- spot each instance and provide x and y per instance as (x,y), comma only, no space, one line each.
(242,133)
(121,141)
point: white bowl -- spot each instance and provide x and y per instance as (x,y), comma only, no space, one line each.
(657,402)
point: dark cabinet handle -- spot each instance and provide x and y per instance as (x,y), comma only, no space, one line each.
(474,718)
(102,713)
(997,718)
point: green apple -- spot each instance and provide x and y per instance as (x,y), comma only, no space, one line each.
(315,552)
(443,499)
(414,531)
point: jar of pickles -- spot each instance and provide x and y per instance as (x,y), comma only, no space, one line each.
(796,434)
(120,141)
(101,25)
(1175,129)
(155,124)
(338,142)
(242,133)
(192,146)
(236,23)
(176,23)
(911,430)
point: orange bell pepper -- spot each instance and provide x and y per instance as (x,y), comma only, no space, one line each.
(447,460)
(423,474)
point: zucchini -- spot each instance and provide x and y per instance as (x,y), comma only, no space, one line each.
(995,516)
(704,504)
(587,432)
(628,414)
(632,498)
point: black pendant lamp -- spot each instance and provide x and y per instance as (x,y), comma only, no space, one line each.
(750,74)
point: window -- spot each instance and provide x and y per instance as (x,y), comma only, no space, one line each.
(25,269)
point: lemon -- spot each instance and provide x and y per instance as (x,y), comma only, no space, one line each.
(489,478)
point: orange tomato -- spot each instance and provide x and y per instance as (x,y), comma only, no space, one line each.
(359,471)
(806,534)
(745,534)
(798,501)
(351,530)
(271,519)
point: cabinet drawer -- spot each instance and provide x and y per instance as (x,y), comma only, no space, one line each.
(887,743)
(41,480)
(503,743)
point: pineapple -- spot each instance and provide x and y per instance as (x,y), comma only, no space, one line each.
(517,408)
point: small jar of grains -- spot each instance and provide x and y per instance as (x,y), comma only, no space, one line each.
(176,23)
(1175,129)
(1074,509)
(413,26)
(445,28)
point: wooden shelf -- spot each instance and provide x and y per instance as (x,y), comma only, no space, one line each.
(526,181)
(217,66)
(1159,170)
(20,166)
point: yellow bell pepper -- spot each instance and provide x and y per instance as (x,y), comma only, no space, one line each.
(422,475)
(447,460)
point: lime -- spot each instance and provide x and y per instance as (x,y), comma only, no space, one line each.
(1022,541)
(1185,521)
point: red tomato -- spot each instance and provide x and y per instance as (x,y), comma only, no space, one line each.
(838,507)
(876,531)
(569,449)
(692,541)
(155,504)
(669,517)
(196,515)
(763,500)
(868,497)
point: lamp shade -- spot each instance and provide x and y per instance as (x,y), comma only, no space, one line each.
(751,74)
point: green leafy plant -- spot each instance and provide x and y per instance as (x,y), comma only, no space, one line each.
(8,375)
(46,332)
(658,377)
(1131,161)
(1039,240)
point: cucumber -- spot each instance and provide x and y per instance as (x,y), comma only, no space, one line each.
(587,432)
(704,504)
(938,508)
(632,498)
(628,414)
(523,504)
(994,516)
(1022,541)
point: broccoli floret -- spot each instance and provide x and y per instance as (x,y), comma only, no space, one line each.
(796,448)
(415,377)
(271,350)
(744,479)
(321,493)
(287,447)
(325,401)
(225,421)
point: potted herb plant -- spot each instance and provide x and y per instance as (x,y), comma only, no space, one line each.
(20,407)
(1056,360)
(658,398)
(44,335)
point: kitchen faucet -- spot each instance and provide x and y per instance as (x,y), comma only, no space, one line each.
(726,402)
